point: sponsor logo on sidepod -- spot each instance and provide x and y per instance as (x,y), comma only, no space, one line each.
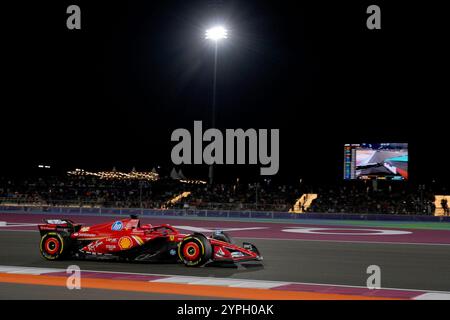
(125,243)
(117,226)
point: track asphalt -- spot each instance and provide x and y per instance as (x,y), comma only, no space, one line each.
(312,253)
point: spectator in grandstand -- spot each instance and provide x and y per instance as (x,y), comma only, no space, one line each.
(444,206)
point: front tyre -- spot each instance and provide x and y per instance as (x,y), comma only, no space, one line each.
(195,250)
(52,246)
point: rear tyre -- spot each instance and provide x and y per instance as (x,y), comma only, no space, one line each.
(52,246)
(195,250)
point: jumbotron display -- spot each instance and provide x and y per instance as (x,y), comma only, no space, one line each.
(382,161)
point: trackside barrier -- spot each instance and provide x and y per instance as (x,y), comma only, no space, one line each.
(223,214)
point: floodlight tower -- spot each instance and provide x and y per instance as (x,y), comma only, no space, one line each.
(215,34)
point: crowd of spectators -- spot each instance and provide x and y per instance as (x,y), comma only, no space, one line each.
(85,191)
(91,191)
(366,199)
(241,196)
(95,192)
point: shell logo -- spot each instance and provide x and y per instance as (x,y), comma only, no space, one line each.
(125,243)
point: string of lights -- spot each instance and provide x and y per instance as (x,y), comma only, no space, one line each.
(117,175)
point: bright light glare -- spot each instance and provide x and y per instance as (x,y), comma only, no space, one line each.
(216,33)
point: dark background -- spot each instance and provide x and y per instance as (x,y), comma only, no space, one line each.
(111,93)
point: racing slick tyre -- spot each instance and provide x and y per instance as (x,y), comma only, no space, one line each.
(52,246)
(195,250)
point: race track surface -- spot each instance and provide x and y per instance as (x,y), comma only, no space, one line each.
(338,255)
(11,291)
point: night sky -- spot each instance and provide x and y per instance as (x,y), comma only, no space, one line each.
(111,93)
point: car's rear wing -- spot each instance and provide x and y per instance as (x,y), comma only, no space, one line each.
(58,221)
(59,225)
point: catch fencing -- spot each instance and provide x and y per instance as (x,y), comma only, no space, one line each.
(200,213)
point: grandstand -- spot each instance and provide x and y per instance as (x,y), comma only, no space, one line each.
(149,190)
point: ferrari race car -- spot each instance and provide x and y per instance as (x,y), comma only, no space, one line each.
(128,240)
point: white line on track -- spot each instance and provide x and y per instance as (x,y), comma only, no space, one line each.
(8,230)
(307,240)
(223,282)
(433,296)
(11,269)
(6,225)
(349,241)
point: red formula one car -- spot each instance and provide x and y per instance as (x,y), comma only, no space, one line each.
(128,240)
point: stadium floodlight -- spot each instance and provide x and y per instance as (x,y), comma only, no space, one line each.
(216,33)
